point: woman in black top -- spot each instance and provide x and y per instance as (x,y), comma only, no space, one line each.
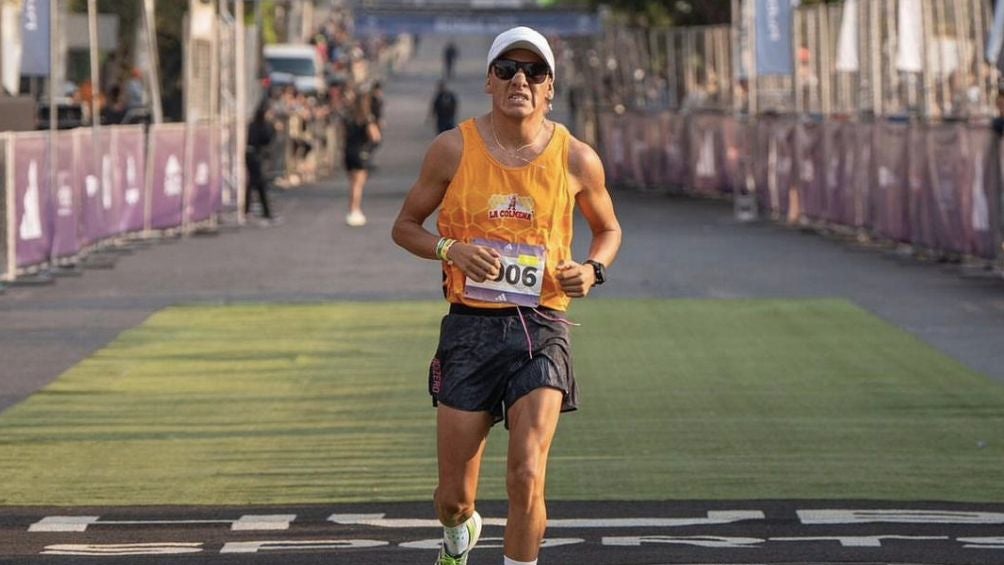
(361,133)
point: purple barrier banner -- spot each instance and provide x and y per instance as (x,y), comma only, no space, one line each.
(32,202)
(225,148)
(937,186)
(611,128)
(130,173)
(705,155)
(656,165)
(635,146)
(862,178)
(167,147)
(888,202)
(733,148)
(944,153)
(630,130)
(922,202)
(66,197)
(96,198)
(780,165)
(675,140)
(199,203)
(981,193)
(215,173)
(757,154)
(649,154)
(111,190)
(811,169)
(838,186)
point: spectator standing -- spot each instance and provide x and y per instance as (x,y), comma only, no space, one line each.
(137,110)
(444,108)
(361,133)
(260,137)
(114,111)
(450,54)
(110,73)
(135,91)
(85,97)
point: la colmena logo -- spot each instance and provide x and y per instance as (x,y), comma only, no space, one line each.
(510,206)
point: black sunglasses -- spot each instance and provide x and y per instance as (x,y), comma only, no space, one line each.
(536,73)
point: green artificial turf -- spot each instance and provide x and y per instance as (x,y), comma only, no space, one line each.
(689,399)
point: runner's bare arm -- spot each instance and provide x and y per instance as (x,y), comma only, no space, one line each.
(588,184)
(438,167)
(440,164)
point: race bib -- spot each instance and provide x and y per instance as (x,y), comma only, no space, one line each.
(520,279)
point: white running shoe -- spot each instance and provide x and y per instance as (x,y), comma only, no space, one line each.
(355,219)
(473,532)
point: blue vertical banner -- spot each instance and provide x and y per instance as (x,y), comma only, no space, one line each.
(996,37)
(35,36)
(774,19)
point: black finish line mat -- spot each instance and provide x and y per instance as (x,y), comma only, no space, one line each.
(597,533)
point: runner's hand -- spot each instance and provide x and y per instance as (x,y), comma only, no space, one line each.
(479,263)
(575,279)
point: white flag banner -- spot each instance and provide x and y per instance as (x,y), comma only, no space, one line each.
(910,25)
(943,56)
(10,22)
(847,41)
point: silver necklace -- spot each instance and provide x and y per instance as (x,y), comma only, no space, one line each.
(515,152)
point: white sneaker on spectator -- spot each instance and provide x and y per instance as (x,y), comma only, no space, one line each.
(355,219)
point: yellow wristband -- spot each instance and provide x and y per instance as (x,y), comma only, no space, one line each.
(446,249)
(442,246)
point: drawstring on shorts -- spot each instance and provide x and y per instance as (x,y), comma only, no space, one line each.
(526,330)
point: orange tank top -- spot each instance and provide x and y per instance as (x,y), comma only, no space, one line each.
(528,206)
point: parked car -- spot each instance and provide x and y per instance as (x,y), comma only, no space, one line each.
(300,62)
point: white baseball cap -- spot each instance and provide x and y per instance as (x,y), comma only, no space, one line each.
(521,37)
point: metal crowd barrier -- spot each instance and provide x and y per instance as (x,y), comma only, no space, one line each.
(936,187)
(289,164)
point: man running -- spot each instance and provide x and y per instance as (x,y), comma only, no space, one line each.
(506,184)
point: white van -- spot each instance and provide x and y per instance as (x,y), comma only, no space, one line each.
(299,64)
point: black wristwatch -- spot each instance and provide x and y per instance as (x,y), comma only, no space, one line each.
(599,271)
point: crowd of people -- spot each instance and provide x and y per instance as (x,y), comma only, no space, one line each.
(317,133)
(122,97)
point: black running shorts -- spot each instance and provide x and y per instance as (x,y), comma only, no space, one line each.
(483,363)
